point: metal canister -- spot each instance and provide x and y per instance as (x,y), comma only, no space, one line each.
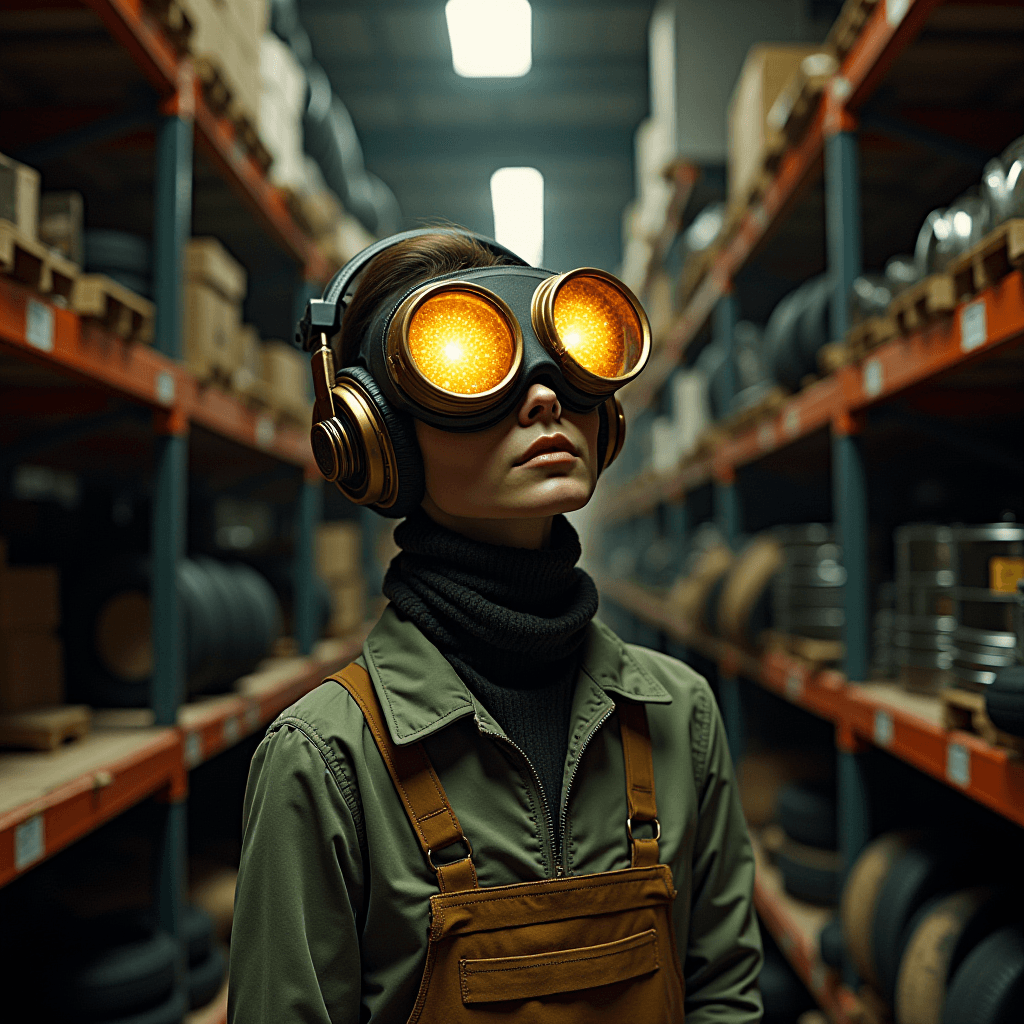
(808,591)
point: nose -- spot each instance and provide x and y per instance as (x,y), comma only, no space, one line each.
(540,405)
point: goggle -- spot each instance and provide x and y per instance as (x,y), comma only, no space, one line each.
(455,348)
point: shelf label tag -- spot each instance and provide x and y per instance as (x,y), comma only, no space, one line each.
(252,717)
(265,431)
(794,686)
(29,845)
(193,749)
(883,728)
(958,764)
(791,423)
(973,326)
(39,325)
(766,436)
(818,976)
(231,730)
(872,378)
(895,11)
(165,387)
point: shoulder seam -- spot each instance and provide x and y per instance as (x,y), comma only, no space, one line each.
(333,765)
(704,716)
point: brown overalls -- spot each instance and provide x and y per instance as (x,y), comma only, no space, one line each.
(586,949)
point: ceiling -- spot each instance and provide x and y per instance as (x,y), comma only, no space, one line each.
(436,138)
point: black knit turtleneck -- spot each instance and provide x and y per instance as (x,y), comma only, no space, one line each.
(509,620)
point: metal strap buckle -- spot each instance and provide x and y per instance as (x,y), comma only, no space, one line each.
(657,828)
(469,856)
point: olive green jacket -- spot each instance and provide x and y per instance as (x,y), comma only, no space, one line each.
(332,905)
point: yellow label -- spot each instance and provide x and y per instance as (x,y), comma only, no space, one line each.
(1003,574)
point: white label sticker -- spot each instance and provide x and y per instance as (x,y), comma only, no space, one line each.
(872,378)
(895,11)
(841,87)
(973,326)
(761,217)
(958,764)
(252,717)
(883,728)
(818,976)
(39,325)
(193,749)
(794,686)
(265,432)
(791,422)
(766,436)
(165,387)
(231,730)
(29,844)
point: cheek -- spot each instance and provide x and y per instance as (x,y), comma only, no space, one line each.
(453,460)
(589,425)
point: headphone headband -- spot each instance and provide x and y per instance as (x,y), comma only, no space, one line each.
(324,315)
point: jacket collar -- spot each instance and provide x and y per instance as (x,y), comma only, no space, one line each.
(400,659)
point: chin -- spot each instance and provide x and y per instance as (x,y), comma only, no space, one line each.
(552,497)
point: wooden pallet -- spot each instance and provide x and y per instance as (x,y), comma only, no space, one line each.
(117,308)
(999,252)
(174,20)
(964,709)
(793,109)
(216,90)
(29,261)
(848,24)
(870,333)
(44,728)
(923,302)
(247,132)
(834,356)
(809,649)
(767,406)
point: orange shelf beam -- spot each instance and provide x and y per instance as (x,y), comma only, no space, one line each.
(907,726)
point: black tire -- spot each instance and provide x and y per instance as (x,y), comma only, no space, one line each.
(830,942)
(106,250)
(231,643)
(805,877)
(784,995)
(1004,700)
(988,987)
(121,979)
(206,977)
(813,329)
(925,870)
(197,928)
(170,1012)
(807,814)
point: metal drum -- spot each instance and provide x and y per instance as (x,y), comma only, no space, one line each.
(808,592)
(988,560)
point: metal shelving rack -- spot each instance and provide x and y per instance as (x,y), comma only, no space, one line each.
(54,799)
(864,713)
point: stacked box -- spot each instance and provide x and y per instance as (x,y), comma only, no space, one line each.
(61,218)
(281,105)
(339,562)
(766,71)
(248,376)
(19,195)
(31,655)
(285,375)
(215,285)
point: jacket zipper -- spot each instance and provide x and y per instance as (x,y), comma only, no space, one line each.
(563,819)
(556,861)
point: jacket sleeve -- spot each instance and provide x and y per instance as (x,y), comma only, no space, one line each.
(723,956)
(294,938)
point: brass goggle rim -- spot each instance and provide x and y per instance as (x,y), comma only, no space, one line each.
(542,316)
(407,376)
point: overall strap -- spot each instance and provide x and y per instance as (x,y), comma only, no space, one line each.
(636,751)
(422,794)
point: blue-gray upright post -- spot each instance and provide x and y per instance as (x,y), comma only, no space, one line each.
(171,229)
(308,518)
(724,333)
(842,224)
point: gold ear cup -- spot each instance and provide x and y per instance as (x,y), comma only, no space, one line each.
(616,430)
(353,449)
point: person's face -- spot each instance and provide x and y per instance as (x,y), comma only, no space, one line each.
(537,462)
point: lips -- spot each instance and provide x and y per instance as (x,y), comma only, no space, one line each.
(548,443)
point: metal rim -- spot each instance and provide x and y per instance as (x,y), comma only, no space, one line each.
(542,316)
(372,478)
(408,377)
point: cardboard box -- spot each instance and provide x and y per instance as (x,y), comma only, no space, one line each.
(61,215)
(19,195)
(29,597)
(349,608)
(767,69)
(31,670)
(211,332)
(339,551)
(285,372)
(208,262)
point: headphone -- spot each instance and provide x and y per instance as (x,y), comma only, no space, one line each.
(361,443)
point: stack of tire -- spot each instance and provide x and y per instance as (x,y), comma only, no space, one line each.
(799,327)
(230,618)
(125,257)
(694,595)
(742,610)
(883,637)
(808,858)
(934,943)
(807,592)
(1004,699)
(121,970)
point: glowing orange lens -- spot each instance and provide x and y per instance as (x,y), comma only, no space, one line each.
(461,343)
(598,326)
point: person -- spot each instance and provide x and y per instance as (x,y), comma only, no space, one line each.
(501,811)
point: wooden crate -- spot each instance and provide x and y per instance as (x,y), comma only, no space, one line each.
(964,709)
(32,263)
(923,302)
(870,333)
(999,252)
(835,355)
(118,309)
(44,728)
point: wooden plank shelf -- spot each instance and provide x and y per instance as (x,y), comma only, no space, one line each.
(907,725)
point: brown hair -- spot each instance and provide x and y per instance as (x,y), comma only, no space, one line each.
(398,269)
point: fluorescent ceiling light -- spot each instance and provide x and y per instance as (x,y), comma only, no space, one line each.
(517,195)
(490,38)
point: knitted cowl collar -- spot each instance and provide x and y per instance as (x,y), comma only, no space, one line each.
(516,616)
